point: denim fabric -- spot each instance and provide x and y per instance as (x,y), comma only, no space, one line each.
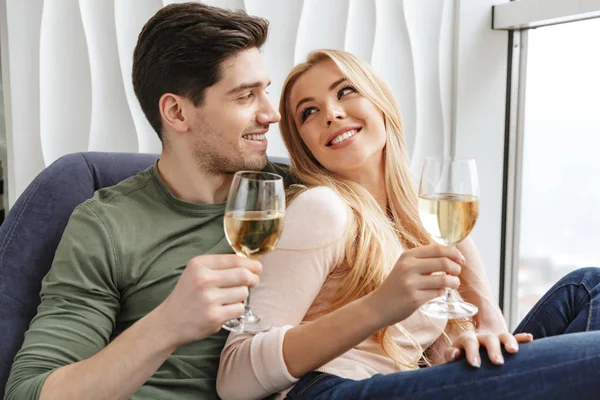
(570,306)
(562,363)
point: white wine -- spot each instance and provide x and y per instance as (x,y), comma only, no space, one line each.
(448,218)
(253,233)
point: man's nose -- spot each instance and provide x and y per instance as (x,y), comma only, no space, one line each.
(268,114)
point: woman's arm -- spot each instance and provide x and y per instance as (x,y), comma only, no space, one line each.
(491,329)
(256,366)
(476,289)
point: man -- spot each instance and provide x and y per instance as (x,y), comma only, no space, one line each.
(141,281)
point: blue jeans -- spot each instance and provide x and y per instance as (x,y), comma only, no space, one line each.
(563,361)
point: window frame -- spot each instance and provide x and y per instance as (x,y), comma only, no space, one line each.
(517,17)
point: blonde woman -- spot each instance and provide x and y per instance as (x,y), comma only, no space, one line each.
(344,287)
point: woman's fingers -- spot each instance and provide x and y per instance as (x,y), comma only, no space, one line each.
(510,342)
(524,337)
(428,266)
(432,282)
(492,344)
(452,353)
(469,342)
(439,251)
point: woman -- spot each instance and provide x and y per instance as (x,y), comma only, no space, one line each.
(344,287)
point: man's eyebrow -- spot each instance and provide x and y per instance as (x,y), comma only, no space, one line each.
(331,87)
(246,86)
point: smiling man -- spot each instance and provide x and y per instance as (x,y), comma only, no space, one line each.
(142,280)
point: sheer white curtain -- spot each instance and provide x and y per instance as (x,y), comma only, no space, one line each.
(69,69)
(67,78)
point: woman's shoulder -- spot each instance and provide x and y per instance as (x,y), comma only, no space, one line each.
(320,201)
(317,216)
(319,193)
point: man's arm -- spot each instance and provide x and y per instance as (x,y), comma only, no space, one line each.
(201,302)
(118,370)
(66,354)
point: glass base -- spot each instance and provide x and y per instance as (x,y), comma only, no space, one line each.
(452,309)
(249,323)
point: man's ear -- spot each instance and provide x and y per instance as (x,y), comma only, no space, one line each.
(171,108)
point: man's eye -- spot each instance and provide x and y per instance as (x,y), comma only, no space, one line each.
(345,91)
(306,113)
(247,96)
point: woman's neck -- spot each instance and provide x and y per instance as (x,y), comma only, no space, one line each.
(373,179)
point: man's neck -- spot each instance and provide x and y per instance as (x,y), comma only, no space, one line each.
(188,183)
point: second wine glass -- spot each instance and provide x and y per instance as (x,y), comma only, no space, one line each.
(253,224)
(448,209)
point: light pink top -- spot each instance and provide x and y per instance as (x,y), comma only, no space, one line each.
(252,366)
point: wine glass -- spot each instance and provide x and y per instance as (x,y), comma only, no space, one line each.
(448,209)
(253,224)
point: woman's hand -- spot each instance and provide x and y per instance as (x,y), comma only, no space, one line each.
(468,343)
(413,281)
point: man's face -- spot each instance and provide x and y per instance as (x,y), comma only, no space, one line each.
(229,130)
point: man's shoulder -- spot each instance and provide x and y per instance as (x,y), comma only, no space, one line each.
(125,196)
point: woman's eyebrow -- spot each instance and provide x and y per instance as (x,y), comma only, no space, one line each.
(331,87)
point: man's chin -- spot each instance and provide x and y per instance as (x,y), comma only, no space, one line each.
(256,163)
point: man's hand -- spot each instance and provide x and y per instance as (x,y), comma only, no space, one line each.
(210,291)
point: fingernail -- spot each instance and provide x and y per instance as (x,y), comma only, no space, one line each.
(498,359)
(512,347)
(476,362)
(463,259)
(530,335)
(454,354)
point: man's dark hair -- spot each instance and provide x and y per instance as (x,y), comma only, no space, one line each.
(181,48)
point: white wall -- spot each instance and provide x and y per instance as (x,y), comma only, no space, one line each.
(68,68)
(481,119)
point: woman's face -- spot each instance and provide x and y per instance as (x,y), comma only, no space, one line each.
(343,130)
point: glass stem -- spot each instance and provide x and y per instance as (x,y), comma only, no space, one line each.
(449,293)
(249,316)
(247,305)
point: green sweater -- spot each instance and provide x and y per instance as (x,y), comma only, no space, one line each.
(120,256)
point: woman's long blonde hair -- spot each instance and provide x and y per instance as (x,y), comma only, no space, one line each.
(372,231)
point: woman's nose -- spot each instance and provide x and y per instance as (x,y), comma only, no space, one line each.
(336,113)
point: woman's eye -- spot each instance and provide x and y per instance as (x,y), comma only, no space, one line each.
(306,113)
(345,91)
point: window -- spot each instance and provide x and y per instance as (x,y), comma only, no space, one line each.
(560,187)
